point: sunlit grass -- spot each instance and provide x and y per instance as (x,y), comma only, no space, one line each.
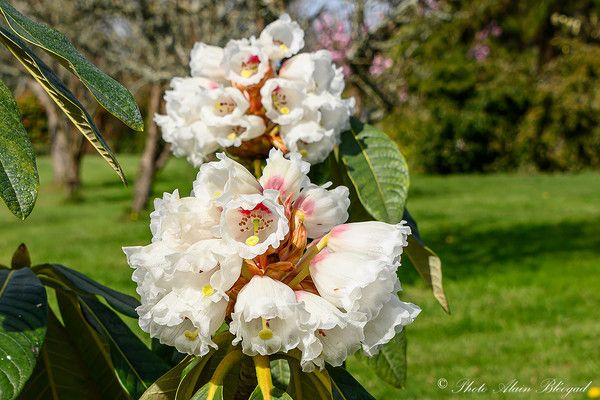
(521,257)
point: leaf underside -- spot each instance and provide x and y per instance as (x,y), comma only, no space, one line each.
(67,102)
(109,93)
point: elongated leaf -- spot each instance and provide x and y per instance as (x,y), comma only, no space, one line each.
(165,387)
(304,386)
(18,173)
(190,376)
(203,392)
(390,363)
(345,387)
(276,394)
(137,366)
(61,96)
(109,93)
(62,374)
(23,318)
(377,170)
(426,262)
(87,341)
(85,285)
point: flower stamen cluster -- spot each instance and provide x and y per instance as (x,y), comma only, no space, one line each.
(274,259)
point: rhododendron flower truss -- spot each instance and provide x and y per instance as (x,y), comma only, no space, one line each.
(255,94)
(274,258)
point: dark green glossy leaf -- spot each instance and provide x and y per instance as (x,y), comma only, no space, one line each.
(345,387)
(390,363)
(81,283)
(61,96)
(276,394)
(62,373)
(165,387)
(23,318)
(190,375)
(426,262)
(377,170)
(87,341)
(109,93)
(18,173)
(137,366)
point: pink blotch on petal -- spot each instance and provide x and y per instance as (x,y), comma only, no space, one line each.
(306,205)
(274,182)
(339,230)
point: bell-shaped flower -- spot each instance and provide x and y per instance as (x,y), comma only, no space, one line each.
(322,209)
(394,315)
(286,175)
(333,112)
(224,176)
(315,70)
(184,220)
(374,239)
(253,223)
(246,128)
(181,125)
(205,61)
(245,63)
(282,38)
(149,264)
(353,281)
(223,106)
(268,319)
(187,315)
(283,101)
(309,139)
(339,333)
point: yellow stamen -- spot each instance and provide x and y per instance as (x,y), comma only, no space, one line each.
(231,136)
(208,290)
(217,194)
(284,110)
(265,333)
(247,73)
(301,216)
(303,152)
(254,239)
(191,335)
(283,47)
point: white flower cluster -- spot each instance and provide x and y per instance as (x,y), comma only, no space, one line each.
(275,260)
(245,95)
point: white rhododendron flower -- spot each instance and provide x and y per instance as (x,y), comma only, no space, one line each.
(268,319)
(255,94)
(273,258)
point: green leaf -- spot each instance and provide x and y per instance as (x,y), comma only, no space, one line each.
(23,318)
(276,394)
(18,173)
(20,258)
(61,374)
(87,341)
(202,393)
(426,262)
(377,170)
(345,387)
(390,363)
(83,284)
(165,387)
(137,366)
(190,376)
(308,386)
(61,96)
(109,93)
(280,373)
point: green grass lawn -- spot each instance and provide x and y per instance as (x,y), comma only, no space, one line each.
(521,256)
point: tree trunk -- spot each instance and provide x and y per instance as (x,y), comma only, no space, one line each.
(147,169)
